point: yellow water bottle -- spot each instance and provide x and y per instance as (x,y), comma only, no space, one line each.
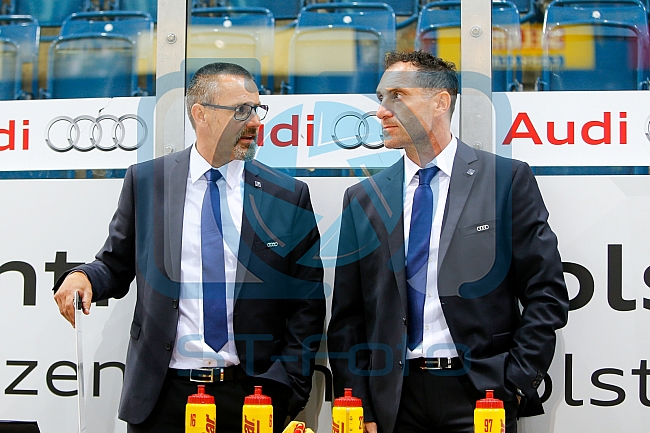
(200,413)
(489,415)
(257,414)
(347,414)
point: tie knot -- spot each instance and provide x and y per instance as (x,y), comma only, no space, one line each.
(212,175)
(426,174)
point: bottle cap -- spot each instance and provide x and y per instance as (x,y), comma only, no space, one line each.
(489,402)
(347,400)
(258,398)
(201,397)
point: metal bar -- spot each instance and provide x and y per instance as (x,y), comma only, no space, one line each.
(171,39)
(476,73)
(81,387)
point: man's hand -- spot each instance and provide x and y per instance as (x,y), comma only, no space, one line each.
(370,427)
(75,282)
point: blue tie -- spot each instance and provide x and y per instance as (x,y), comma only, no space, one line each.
(417,257)
(215,320)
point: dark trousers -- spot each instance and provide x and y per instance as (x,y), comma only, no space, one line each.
(443,401)
(168,415)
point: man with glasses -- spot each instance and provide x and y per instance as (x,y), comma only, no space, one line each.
(436,255)
(225,254)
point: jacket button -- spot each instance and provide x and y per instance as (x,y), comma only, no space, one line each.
(168,346)
(404,320)
(175,303)
(401,365)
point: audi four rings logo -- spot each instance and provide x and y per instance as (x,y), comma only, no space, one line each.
(94,138)
(360,131)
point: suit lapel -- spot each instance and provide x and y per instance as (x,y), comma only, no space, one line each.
(389,187)
(175,185)
(253,199)
(462,178)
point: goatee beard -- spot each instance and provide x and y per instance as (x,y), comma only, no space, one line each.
(245,153)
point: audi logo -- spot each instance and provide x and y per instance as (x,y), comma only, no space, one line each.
(77,138)
(360,131)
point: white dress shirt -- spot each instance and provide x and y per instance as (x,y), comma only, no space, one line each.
(436,339)
(190,350)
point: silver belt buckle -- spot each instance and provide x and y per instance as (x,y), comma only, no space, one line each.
(209,375)
(435,364)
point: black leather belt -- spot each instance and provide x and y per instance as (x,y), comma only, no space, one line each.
(209,375)
(437,363)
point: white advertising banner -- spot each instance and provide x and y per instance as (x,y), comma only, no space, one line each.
(328,131)
(574,128)
(64,134)
(600,371)
(599,377)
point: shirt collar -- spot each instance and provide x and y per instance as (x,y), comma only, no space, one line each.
(231,172)
(444,161)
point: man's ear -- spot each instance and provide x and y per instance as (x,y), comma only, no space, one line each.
(442,102)
(198,113)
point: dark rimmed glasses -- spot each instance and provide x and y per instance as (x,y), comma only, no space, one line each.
(243,111)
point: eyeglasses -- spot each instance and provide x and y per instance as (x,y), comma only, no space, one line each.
(243,111)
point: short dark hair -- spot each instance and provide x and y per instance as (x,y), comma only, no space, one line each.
(433,72)
(203,85)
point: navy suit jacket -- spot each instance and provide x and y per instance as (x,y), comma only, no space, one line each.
(279,308)
(496,251)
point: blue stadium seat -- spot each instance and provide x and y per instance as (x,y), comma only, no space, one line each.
(527,10)
(281,9)
(24,31)
(9,77)
(99,5)
(595,45)
(339,47)
(400,7)
(136,25)
(148,6)
(438,32)
(241,35)
(91,65)
(48,13)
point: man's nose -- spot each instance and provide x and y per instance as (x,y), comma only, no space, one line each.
(383,112)
(254,120)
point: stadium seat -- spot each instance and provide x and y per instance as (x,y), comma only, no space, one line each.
(48,13)
(281,10)
(136,25)
(527,10)
(407,8)
(24,31)
(9,81)
(339,47)
(400,7)
(99,5)
(241,35)
(91,65)
(595,45)
(438,32)
(148,6)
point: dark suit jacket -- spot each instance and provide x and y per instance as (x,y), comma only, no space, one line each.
(483,273)
(279,306)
